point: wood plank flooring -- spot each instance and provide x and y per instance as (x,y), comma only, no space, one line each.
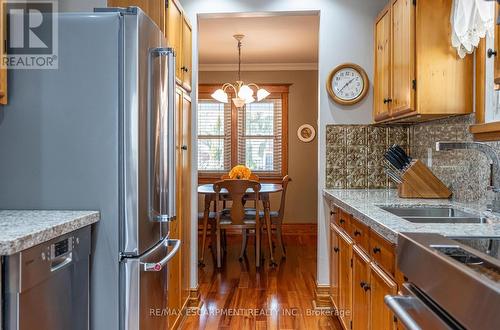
(239,297)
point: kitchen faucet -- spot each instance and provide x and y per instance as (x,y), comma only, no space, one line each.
(491,153)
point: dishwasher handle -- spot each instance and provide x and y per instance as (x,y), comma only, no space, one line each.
(398,305)
(158,266)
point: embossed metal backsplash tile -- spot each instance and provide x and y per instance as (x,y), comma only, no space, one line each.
(354,154)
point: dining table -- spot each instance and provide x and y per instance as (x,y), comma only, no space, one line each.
(207,190)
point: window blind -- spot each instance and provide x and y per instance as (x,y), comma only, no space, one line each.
(214,136)
(260,132)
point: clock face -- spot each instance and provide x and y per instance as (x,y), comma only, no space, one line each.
(347,84)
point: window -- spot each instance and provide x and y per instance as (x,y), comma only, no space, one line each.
(255,135)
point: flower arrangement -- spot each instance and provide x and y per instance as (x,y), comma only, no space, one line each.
(240,172)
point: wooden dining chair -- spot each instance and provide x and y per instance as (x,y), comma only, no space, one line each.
(277,216)
(237,217)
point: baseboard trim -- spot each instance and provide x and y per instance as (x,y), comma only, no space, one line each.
(194,300)
(322,297)
(287,228)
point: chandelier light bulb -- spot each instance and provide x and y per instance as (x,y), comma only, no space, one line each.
(245,92)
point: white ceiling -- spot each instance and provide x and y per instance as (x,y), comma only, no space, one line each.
(271,40)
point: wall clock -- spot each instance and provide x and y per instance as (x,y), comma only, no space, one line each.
(347,84)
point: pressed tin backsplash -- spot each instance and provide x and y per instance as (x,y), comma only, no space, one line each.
(354,154)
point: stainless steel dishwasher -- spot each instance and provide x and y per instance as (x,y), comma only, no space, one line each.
(47,286)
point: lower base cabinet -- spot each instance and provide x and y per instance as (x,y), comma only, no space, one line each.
(359,282)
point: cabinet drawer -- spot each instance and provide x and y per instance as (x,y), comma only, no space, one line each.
(343,219)
(360,233)
(383,252)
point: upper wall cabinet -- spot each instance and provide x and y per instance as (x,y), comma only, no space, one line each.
(170,17)
(418,75)
(178,32)
(487,127)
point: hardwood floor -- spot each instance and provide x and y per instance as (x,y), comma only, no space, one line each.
(239,297)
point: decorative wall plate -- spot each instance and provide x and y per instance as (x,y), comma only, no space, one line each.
(347,84)
(306,133)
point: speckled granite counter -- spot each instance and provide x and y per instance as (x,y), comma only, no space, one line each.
(364,206)
(21,229)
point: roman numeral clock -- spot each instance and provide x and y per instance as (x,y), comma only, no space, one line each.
(347,84)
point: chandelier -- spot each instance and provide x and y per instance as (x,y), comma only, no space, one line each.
(244,94)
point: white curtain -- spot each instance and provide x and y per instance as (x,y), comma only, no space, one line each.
(471,20)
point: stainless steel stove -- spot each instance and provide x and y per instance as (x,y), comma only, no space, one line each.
(451,283)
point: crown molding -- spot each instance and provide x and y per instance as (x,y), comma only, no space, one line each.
(260,67)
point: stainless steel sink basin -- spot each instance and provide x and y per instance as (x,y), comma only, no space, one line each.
(432,214)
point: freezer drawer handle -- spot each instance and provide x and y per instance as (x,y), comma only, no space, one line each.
(157,266)
(397,305)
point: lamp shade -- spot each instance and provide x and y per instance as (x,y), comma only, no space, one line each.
(245,92)
(262,94)
(238,102)
(220,96)
(249,100)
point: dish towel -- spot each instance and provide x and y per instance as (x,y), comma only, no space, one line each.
(471,20)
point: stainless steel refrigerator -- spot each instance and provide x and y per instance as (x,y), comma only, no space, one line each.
(98,133)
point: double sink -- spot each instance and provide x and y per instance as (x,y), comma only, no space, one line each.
(433,214)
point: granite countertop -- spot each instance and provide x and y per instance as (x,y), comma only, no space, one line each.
(20,230)
(364,204)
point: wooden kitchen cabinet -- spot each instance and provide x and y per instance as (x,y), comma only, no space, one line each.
(334,265)
(362,272)
(418,75)
(360,289)
(380,286)
(179,36)
(155,9)
(345,278)
(3,52)
(382,81)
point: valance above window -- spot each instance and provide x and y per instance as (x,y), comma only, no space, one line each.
(471,20)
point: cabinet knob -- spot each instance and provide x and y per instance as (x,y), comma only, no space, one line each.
(364,286)
(389,100)
(491,53)
(332,212)
(376,250)
(184,147)
(357,233)
(342,221)
(336,249)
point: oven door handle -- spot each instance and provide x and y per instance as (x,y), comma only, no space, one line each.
(158,266)
(399,305)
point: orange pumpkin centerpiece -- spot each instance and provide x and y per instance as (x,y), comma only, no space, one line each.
(240,172)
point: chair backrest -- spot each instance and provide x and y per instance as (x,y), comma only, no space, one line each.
(284,183)
(253,177)
(237,190)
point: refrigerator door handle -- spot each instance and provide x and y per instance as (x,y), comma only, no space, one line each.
(158,266)
(162,138)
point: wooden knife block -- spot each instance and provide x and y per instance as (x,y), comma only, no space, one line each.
(420,182)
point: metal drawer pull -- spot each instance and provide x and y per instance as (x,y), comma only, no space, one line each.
(399,305)
(357,233)
(157,266)
(376,250)
(336,249)
(342,221)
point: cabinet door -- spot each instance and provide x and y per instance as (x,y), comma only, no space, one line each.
(345,278)
(3,51)
(186,54)
(174,281)
(174,33)
(334,266)
(360,289)
(382,83)
(186,193)
(380,286)
(155,9)
(403,56)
